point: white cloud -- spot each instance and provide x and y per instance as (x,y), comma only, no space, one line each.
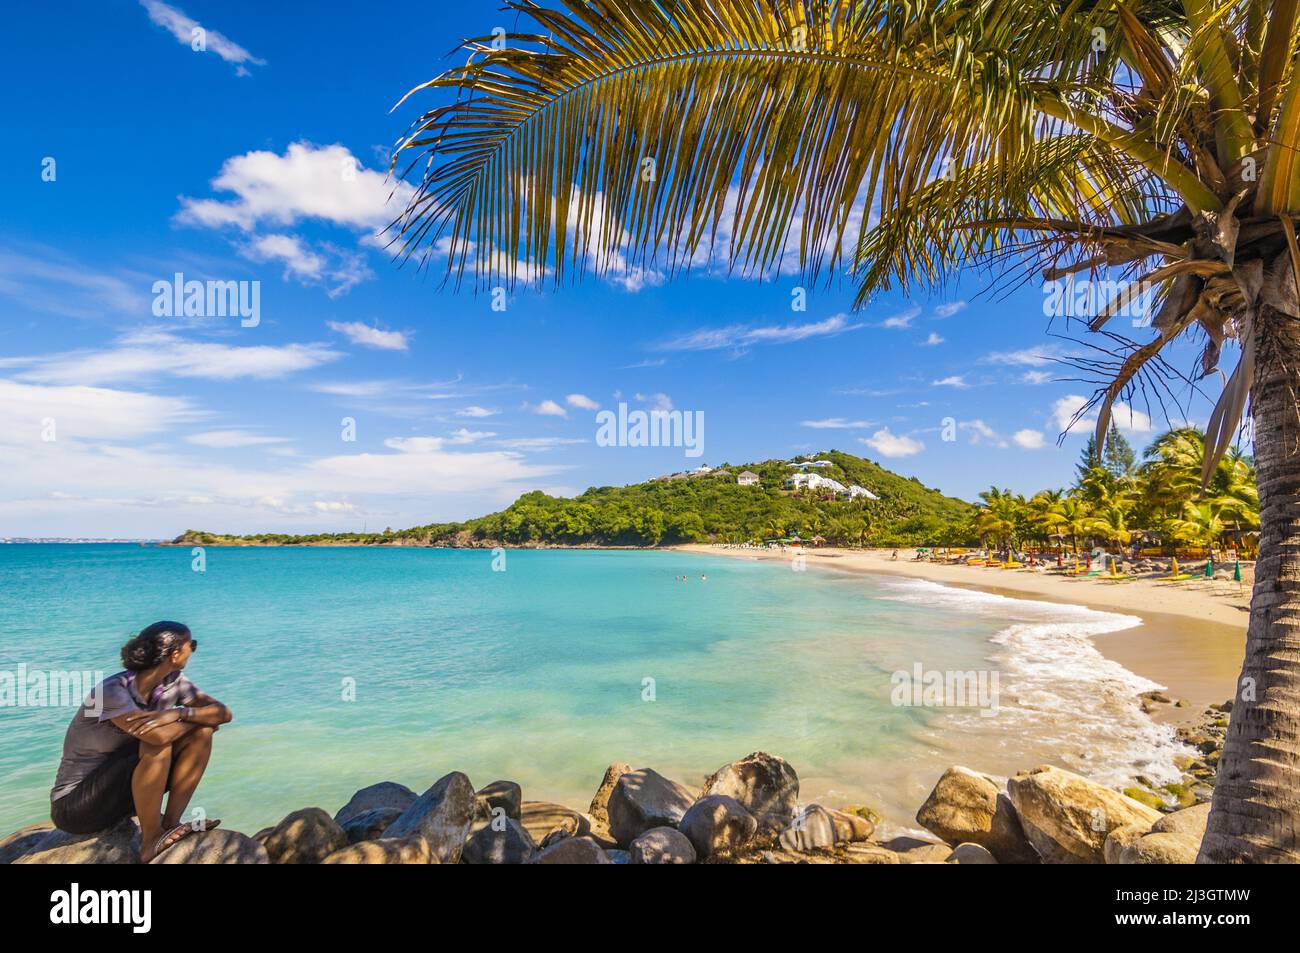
(465,435)
(227,439)
(1037,377)
(582,402)
(1126,418)
(956,380)
(658,401)
(324,183)
(932,340)
(156,353)
(949,309)
(902,320)
(183,29)
(549,408)
(1028,439)
(981,432)
(742,336)
(475,411)
(78,411)
(1035,356)
(836,423)
(367,336)
(892,445)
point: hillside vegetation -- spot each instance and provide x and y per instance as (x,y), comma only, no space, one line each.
(704,508)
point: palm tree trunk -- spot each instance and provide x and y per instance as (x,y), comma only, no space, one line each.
(1255,814)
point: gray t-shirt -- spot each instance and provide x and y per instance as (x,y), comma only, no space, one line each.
(92,737)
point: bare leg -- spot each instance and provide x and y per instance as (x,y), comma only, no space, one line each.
(190,755)
(148,782)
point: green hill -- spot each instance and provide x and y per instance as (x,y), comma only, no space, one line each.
(710,507)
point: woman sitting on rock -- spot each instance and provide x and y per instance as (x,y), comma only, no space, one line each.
(142,732)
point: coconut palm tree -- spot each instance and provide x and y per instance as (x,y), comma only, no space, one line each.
(1159,139)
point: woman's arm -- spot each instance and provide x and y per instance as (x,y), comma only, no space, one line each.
(206,710)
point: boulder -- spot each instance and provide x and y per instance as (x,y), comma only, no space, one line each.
(1156,848)
(220,846)
(384,794)
(644,799)
(1118,839)
(506,842)
(662,845)
(617,856)
(20,842)
(813,828)
(506,795)
(304,837)
(371,824)
(717,824)
(540,818)
(409,850)
(764,784)
(442,815)
(966,807)
(599,809)
(971,854)
(1067,817)
(119,844)
(870,854)
(913,850)
(1189,822)
(572,850)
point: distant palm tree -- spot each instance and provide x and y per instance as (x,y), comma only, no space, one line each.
(1155,137)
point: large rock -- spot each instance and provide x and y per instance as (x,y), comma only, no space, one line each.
(409,850)
(599,809)
(304,837)
(1156,848)
(1189,822)
(717,824)
(971,854)
(970,808)
(384,794)
(764,784)
(442,815)
(818,827)
(506,842)
(572,850)
(913,850)
(870,854)
(1117,840)
(662,845)
(119,844)
(1067,818)
(220,846)
(644,799)
(541,818)
(506,795)
(370,825)
(20,842)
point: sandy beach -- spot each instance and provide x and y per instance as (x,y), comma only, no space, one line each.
(1191,640)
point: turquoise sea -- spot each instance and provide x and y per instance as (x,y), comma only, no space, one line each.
(540,673)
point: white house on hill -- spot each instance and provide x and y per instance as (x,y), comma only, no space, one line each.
(747,478)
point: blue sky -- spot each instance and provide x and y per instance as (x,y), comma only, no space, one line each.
(262,158)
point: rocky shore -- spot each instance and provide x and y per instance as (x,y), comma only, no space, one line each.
(748,811)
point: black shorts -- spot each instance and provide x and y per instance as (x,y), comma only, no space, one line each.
(101,798)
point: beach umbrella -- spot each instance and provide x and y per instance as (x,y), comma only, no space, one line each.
(1209,567)
(1236,572)
(1173,569)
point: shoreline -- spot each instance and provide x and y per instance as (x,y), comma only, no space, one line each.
(1191,640)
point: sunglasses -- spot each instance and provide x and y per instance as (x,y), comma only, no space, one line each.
(194,645)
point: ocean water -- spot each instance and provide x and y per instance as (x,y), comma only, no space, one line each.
(566,661)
